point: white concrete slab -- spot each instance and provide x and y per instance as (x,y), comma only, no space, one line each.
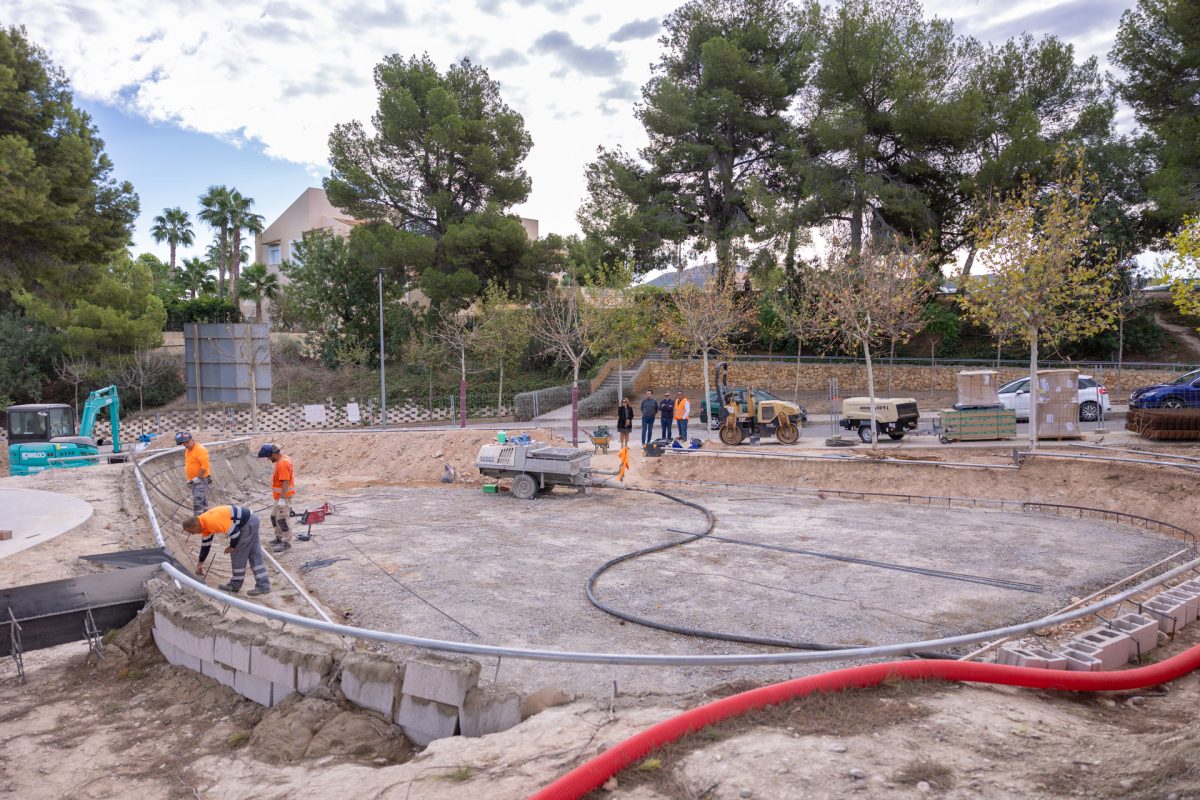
(35,516)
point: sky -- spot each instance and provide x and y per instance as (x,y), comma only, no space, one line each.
(187,95)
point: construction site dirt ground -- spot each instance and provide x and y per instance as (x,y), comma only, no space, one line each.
(513,572)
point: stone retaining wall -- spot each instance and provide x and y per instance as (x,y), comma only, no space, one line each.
(428,697)
(853,377)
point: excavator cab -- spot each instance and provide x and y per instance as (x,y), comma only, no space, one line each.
(42,436)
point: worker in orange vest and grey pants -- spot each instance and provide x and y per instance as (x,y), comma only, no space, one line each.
(240,524)
(197,470)
(683,410)
(283,487)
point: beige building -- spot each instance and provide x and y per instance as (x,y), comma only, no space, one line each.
(312,211)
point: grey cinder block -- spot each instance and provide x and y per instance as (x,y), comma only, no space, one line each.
(487,711)
(443,680)
(423,721)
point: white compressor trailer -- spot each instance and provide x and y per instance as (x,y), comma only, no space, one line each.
(536,467)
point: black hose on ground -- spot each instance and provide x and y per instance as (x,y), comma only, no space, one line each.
(683,630)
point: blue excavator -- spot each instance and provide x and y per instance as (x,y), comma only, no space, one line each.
(42,436)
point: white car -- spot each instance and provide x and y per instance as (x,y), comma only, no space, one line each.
(1092,396)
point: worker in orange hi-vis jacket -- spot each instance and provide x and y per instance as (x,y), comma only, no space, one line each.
(240,524)
(197,470)
(283,488)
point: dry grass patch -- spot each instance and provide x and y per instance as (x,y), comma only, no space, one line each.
(939,776)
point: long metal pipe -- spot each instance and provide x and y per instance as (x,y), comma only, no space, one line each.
(845,459)
(639,659)
(1078,457)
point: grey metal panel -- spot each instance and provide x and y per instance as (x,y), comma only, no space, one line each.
(226,357)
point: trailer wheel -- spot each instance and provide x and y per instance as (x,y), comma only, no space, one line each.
(731,435)
(944,439)
(787,433)
(524,486)
(865,434)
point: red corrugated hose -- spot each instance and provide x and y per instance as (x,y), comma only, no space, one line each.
(594,773)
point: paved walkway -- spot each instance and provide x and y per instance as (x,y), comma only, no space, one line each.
(34,516)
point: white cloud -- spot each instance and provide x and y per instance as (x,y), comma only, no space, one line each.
(283,74)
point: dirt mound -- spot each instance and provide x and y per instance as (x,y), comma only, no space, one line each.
(308,727)
(354,460)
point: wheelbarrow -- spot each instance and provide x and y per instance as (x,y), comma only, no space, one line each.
(600,441)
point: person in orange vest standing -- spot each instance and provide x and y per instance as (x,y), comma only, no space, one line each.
(283,487)
(683,410)
(197,470)
(240,524)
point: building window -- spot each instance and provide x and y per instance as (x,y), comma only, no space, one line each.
(273,259)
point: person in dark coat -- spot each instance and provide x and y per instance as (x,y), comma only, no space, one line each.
(625,421)
(649,410)
(666,413)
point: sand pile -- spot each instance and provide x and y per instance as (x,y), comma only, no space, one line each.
(354,460)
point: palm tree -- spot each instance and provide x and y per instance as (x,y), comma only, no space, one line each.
(173,227)
(258,284)
(240,218)
(214,210)
(195,278)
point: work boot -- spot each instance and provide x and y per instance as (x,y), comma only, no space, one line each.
(257,590)
(281,547)
(229,587)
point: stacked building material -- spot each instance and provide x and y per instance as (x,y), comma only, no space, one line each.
(978,388)
(1058,404)
(1164,423)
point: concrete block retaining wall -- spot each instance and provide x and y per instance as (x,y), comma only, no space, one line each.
(1126,638)
(429,697)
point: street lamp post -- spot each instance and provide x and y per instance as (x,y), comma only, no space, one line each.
(382,382)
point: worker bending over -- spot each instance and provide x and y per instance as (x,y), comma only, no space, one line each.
(240,524)
(283,487)
(197,470)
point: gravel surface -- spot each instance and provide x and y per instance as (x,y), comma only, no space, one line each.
(464,565)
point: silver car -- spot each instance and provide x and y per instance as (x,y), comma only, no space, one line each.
(1092,397)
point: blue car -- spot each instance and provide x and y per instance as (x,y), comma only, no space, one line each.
(1183,392)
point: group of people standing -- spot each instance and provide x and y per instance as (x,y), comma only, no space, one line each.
(671,414)
(239,523)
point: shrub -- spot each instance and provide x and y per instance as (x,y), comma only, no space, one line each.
(202,309)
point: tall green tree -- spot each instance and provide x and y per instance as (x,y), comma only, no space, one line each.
(891,114)
(214,211)
(445,149)
(62,214)
(715,113)
(174,227)
(260,285)
(333,288)
(120,313)
(240,220)
(196,279)
(1158,47)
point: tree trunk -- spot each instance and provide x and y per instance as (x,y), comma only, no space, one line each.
(799,348)
(172,256)
(892,366)
(866,346)
(770,354)
(252,356)
(1033,394)
(999,344)
(966,270)
(235,264)
(620,381)
(258,311)
(575,407)
(1120,346)
(462,388)
(224,262)
(708,392)
(724,263)
(500,392)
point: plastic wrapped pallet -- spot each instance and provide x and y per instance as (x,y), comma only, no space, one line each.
(1058,421)
(978,388)
(1058,386)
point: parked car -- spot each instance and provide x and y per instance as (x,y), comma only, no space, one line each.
(714,420)
(1092,396)
(1183,392)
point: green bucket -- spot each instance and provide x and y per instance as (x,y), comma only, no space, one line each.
(490,488)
